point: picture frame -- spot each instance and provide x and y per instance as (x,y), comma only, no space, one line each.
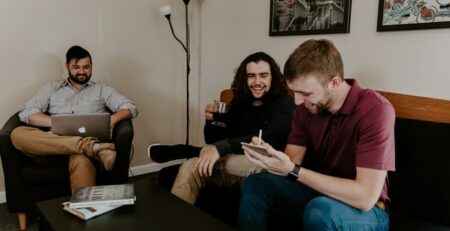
(413,14)
(305,17)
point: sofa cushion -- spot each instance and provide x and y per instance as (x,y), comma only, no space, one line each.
(420,186)
(400,222)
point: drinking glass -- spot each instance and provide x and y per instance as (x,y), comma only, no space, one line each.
(220,110)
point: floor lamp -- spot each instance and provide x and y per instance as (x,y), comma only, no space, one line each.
(166,11)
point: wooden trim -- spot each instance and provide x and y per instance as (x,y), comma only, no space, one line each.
(406,106)
(226,95)
(419,108)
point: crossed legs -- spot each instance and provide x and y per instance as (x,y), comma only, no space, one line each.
(35,142)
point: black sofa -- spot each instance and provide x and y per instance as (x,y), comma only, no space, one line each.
(29,180)
(420,186)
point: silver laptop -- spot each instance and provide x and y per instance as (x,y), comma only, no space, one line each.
(87,125)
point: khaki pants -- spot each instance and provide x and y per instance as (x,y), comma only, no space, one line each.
(229,170)
(34,142)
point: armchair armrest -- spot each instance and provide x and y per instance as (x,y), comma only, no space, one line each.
(122,137)
(11,157)
(12,123)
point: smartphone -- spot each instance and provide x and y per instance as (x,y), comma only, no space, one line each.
(257,148)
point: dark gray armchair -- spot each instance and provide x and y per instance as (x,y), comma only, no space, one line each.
(28,181)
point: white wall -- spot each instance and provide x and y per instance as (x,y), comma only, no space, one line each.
(412,62)
(132,50)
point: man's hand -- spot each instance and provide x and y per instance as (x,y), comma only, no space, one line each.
(277,163)
(208,111)
(208,157)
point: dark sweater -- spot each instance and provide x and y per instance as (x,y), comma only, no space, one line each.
(244,121)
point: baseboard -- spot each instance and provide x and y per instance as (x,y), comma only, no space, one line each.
(2,197)
(151,167)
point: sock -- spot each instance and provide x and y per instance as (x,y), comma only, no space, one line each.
(95,147)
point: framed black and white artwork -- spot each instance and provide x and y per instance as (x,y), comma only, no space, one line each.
(303,17)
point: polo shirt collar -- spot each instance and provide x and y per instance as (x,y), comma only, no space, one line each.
(352,97)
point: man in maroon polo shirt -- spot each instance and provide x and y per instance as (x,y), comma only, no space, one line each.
(333,172)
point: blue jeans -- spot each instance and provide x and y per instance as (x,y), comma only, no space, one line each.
(272,202)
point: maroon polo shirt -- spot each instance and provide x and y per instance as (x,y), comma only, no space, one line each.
(360,134)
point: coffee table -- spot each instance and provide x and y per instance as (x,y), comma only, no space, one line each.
(154,209)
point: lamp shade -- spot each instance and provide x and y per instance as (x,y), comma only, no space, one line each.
(166,10)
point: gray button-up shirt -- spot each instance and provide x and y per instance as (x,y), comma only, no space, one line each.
(60,97)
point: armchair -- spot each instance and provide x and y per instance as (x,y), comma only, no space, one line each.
(28,180)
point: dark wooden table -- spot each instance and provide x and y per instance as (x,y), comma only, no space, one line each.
(154,209)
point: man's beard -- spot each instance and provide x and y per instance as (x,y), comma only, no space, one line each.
(262,97)
(320,109)
(322,106)
(77,80)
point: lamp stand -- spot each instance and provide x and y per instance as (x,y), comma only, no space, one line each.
(166,11)
(188,70)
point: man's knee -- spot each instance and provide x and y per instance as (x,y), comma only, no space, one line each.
(18,135)
(258,184)
(188,166)
(319,213)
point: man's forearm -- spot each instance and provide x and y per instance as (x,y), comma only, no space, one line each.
(119,115)
(295,152)
(361,193)
(40,120)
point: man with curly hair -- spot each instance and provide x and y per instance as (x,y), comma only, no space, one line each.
(260,102)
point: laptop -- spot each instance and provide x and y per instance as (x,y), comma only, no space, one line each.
(86,125)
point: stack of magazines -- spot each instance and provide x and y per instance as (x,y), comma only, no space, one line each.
(88,202)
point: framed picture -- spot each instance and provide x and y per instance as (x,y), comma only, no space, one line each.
(303,17)
(413,14)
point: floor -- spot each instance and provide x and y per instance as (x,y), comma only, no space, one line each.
(9,221)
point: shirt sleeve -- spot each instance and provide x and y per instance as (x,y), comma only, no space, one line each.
(214,133)
(116,101)
(376,146)
(39,103)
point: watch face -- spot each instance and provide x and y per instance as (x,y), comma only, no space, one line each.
(292,176)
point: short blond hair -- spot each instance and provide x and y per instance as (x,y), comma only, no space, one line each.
(320,57)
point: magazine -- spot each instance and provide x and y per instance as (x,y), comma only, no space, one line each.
(122,194)
(89,212)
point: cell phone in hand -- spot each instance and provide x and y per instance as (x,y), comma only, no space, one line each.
(257,148)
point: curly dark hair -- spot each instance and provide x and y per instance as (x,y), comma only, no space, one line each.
(241,91)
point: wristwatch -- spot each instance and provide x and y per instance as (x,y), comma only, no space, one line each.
(293,175)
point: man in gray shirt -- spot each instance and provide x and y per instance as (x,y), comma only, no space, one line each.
(75,95)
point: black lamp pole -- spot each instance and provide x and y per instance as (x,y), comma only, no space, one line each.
(188,68)
(186,48)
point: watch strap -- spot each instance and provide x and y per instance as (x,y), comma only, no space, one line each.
(293,175)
